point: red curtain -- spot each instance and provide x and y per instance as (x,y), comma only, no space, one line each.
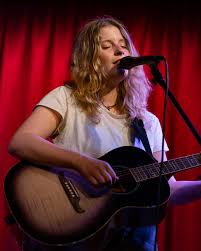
(35,48)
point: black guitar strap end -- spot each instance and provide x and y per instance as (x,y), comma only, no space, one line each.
(138,131)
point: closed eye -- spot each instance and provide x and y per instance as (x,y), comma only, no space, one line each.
(106,47)
(124,46)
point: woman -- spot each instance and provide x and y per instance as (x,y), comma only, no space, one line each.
(92,115)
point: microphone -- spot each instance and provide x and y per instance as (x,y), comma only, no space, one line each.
(130,62)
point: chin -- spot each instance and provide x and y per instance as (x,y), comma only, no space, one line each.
(118,75)
(122,74)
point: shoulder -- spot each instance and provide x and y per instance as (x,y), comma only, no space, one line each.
(60,94)
(57,99)
(150,119)
(154,132)
(151,122)
(63,91)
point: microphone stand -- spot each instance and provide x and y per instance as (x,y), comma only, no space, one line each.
(159,79)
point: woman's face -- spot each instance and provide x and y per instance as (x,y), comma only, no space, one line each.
(112,48)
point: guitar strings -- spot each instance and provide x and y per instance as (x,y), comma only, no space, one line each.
(125,175)
(147,171)
(139,173)
(171,164)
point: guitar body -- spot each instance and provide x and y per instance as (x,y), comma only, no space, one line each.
(57,206)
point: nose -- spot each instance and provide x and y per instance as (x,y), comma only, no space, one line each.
(118,51)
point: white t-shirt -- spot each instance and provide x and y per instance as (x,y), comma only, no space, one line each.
(77,132)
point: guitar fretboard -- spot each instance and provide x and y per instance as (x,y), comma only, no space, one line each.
(142,173)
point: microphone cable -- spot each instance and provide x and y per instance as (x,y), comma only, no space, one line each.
(156,73)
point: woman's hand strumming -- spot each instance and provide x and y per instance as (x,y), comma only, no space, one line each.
(97,172)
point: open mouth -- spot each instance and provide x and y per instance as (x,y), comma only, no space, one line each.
(116,62)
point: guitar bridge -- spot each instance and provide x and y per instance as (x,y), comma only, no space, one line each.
(72,193)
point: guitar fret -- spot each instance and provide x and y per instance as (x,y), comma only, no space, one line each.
(142,173)
(181,164)
(165,169)
(174,165)
(138,174)
(192,161)
(153,170)
(185,162)
(145,171)
(168,168)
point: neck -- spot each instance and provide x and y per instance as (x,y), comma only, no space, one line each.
(109,100)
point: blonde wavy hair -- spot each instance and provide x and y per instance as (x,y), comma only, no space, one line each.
(88,78)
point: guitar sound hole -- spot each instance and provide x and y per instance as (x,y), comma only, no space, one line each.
(126,182)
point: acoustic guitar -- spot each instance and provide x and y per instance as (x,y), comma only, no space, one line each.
(57,206)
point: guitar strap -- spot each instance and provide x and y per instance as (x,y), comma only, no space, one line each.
(138,131)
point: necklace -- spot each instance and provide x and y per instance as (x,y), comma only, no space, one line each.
(109,107)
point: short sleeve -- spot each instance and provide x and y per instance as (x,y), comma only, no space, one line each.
(154,133)
(158,137)
(57,101)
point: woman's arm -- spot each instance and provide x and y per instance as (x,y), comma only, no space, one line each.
(181,192)
(30,143)
(30,140)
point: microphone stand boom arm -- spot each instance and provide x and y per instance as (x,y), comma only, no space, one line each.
(159,79)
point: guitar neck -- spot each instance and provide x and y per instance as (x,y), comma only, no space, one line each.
(153,170)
